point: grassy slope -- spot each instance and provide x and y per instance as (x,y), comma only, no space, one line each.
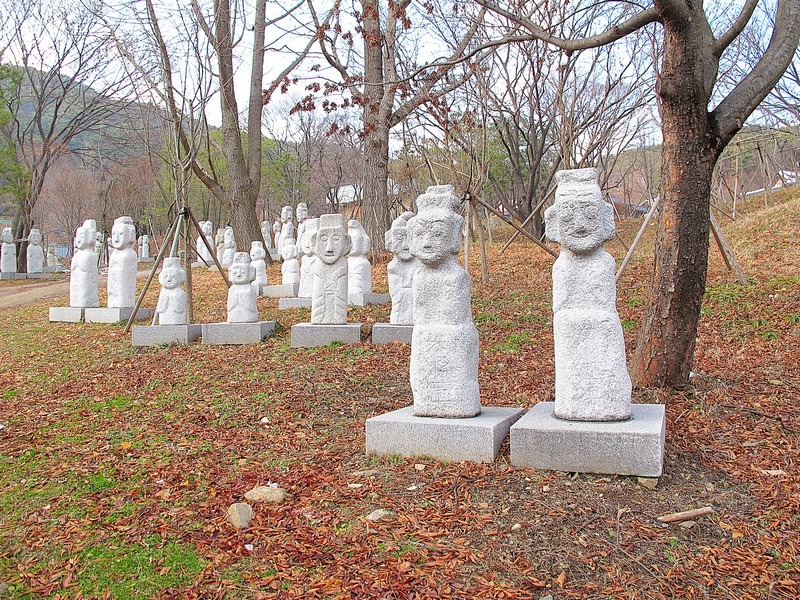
(116,464)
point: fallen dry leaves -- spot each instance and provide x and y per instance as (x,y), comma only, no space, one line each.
(105,446)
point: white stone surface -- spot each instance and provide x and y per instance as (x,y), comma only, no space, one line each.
(306,289)
(258,260)
(115,315)
(68,314)
(8,252)
(219,242)
(288,303)
(83,269)
(35,252)
(329,295)
(359,269)
(400,271)
(267,494)
(207,233)
(540,440)
(279,291)
(122,264)
(171,307)
(287,227)
(242,305)
(52,259)
(592,382)
(237,333)
(290,269)
(386,333)
(477,439)
(301,214)
(144,244)
(239,515)
(444,346)
(156,335)
(229,247)
(310,335)
(276,233)
(367,299)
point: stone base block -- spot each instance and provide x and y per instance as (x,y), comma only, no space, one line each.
(310,335)
(288,290)
(67,314)
(116,315)
(237,333)
(12,276)
(632,447)
(149,259)
(153,335)
(199,263)
(274,254)
(385,333)
(477,439)
(287,303)
(367,299)
(39,275)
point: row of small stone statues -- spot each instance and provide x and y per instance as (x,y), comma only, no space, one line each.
(35,255)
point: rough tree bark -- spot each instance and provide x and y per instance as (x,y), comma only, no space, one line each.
(694,138)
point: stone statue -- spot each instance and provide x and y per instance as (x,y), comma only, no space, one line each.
(8,252)
(258,260)
(98,248)
(359,269)
(329,296)
(121,283)
(265,232)
(207,233)
(171,307)
(219,241)
(592,382)
(52,259)
(35,252)
(400,271)
(276,231)
(290,269)
(301,213)
(83,269)
(310,227)
(444,344)
(144,244)
(287,227)
(242,307)
(230,247)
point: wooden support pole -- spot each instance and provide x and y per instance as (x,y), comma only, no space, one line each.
(727,251)
(637,239)
(187,257)
(528,219)
(514,225)
(211,251)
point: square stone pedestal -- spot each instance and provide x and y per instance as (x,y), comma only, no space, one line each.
(477,439)
(287,303)
(385,333)
(11,276)
(39,275)
(149,259)
(279,291)
(66,314)
(153,335)
(237,333)
(116,315)
(310,335)
(367,299)
(634,447)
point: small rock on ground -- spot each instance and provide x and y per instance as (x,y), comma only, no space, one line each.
(687,524)
(267,494)
(649,482)
(380,514)
(239,515)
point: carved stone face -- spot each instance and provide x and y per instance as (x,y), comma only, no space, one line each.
(171,277)
(7,237)
(302,212)
(257,251)
(399,243)
(312,225)
(207,228)
(580,223)
(331,243)
(85,237)
(122,235)
(35,237)
(432,237)
(288,252)
(230,242)
(286,214)
(239,273)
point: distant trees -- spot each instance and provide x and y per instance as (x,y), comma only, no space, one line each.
(60,90)
(694,136)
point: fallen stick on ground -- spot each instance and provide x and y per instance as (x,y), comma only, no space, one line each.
(686,515)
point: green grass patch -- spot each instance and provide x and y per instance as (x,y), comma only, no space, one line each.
(513,343)
(137,570)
